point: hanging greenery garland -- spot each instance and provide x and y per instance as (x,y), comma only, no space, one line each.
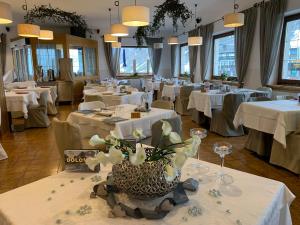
(170,8)
(45,13)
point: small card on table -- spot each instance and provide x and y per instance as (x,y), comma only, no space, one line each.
(75,160)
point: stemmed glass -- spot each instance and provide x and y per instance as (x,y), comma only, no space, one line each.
(223,149)
(199,167)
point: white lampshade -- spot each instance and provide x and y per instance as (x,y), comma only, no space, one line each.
(46,35)
(119,30)
(194,41)
(116,45)
(173,41)
(136,16)
(5,13)
(110,38)
(158,45)
(234,20)
(28,30)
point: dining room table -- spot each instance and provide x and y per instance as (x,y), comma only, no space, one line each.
(172,91)
(51,92)
(118,118)
(280,117)
(213,99)
(64,198)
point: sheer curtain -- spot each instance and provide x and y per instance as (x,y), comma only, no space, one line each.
(271,23)
(243,42)
(112,56)
(206,49)
(193,53)
(154,53)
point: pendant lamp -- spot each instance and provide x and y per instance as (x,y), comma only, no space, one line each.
(173,40)
(28,30)
(234,19)
(195,40)
(5,13)
(158,45)
(108,38)
(118,29)
(46,35)
(136,16)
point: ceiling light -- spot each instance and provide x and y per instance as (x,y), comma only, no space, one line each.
(5,13)
(116,45)
(46,35)
(194,41)
(28,30)
(136,16)
(173,41)
(158,45)
(110,39)
(234,19)
(119,30)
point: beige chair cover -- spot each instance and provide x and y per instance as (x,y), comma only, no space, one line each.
(288,158)
(37,115)
(65,69)
(51,107)
(156,129)
(182,100)
(222,120)
(162,104)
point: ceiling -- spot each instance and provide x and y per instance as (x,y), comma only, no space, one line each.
(96,11)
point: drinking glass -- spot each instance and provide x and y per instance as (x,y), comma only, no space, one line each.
(223,149)
(199,167)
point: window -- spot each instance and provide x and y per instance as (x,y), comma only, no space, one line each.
(135,60)
(184,60)
(224,55)
(76,54)
(290,51)
(90,59)
(47,57)
(22,59)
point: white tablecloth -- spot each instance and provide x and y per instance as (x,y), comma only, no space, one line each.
(38,91)
(205,102)
(273,117)
(19,102)
(92,122)
(30,84)
(117,98)
(251,199)
(171,91)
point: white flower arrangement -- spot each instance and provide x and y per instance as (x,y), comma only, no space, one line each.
(173,155)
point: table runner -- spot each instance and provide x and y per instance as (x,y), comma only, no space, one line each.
(93,123)
(274,117)
(64,199)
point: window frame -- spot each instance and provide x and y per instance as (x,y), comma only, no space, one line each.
(130,74)
(180,74)
(218,36)
(280,80)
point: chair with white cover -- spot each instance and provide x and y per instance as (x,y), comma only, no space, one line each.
(37,114)
(163,104)
(222,120)
(266,89)
(182,100)
(92,98)
(91,105)
(288,157)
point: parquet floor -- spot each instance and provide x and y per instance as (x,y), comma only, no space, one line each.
(33,155)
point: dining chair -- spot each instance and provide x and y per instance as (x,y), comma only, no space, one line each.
(163,104)
(156,129)
(288,157)
(182,101)
(267,90)
(91,105)
(92,98)
(159,93)
(222,119)
(37,114)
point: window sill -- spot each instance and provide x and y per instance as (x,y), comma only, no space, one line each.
(288,88)
(233,83)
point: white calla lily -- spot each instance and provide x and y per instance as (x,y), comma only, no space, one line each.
(96,141)
(92,163)
(138,134)
(170,173)
(100,158)
(139,157)
(115,156)
(114,134)
(166,128)
(175,138)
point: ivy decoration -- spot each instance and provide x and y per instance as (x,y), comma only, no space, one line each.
(44,13)
(170,8)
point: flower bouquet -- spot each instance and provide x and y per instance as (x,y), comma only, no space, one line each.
(145,172)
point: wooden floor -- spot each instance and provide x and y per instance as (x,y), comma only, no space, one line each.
(33,155)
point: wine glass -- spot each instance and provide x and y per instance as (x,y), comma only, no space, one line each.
(199,167)
(223,149)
